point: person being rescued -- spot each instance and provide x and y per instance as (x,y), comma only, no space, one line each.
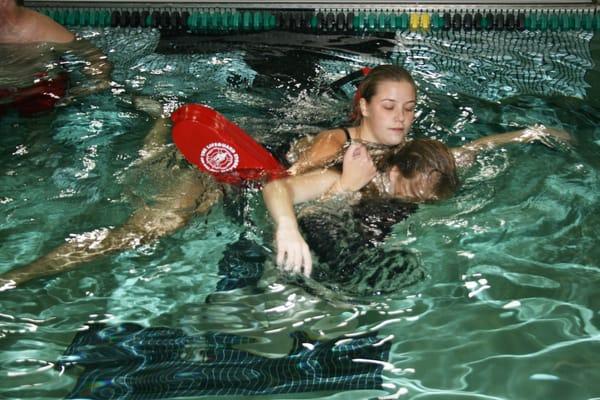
(33,48)
(385,111)
(422,170)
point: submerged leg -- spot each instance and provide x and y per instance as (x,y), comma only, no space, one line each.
(157,137)
(172,210)
(188,192)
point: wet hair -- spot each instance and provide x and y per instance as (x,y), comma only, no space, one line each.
(428,157)
(368,87)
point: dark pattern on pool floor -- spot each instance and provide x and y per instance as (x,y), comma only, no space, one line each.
(131,362)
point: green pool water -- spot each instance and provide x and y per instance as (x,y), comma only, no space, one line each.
(509,308)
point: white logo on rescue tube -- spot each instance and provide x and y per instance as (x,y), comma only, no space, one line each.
(219,157)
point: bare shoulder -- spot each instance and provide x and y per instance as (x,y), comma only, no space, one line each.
(330,140)
(336,135)
(41,28)
(327,144)
(318,151)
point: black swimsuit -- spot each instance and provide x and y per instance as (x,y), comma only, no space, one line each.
(347,132)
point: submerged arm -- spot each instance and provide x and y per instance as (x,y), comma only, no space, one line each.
(97,69)
(465,155)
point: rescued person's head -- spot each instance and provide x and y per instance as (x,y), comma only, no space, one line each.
(422,170)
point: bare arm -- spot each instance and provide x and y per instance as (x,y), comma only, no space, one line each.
(158,135)
(97,64)
(280,196)
(22,25)
(465,155)
(96,68)
(325,146)
(45,29)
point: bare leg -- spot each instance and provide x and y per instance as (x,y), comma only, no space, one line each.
(157,137)
(145,225)
(190,193)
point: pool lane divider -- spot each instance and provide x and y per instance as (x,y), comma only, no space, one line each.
(216,21)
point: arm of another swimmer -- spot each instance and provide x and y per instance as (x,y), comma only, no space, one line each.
(280,196)
(97,68)
(42,28)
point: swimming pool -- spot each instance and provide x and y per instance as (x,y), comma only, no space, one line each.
(509,307)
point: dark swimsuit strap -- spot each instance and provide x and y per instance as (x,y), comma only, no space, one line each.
(347,132)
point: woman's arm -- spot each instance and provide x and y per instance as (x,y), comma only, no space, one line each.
(97,69)
(465,154)
(281,195)
(33,27)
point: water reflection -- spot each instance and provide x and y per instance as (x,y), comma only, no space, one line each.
(509,302)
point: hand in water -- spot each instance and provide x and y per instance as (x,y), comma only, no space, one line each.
(550,137)
(293,254)
(148,105)
(78,92)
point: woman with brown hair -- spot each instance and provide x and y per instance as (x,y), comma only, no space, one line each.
(382,114)
(422,170)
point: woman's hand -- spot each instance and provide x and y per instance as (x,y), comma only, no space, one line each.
(280,196)
(358,168)
(293,254)
(553,138)
(547,136)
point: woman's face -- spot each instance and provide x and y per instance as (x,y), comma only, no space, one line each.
(388,116)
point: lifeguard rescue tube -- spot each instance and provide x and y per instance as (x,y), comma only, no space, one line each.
(221,148)
(40,97)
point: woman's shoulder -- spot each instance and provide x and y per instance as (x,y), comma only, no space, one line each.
(318,151)
(337,135)
(329,143)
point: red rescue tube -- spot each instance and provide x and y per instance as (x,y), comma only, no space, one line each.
(40,97)
(218,146)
